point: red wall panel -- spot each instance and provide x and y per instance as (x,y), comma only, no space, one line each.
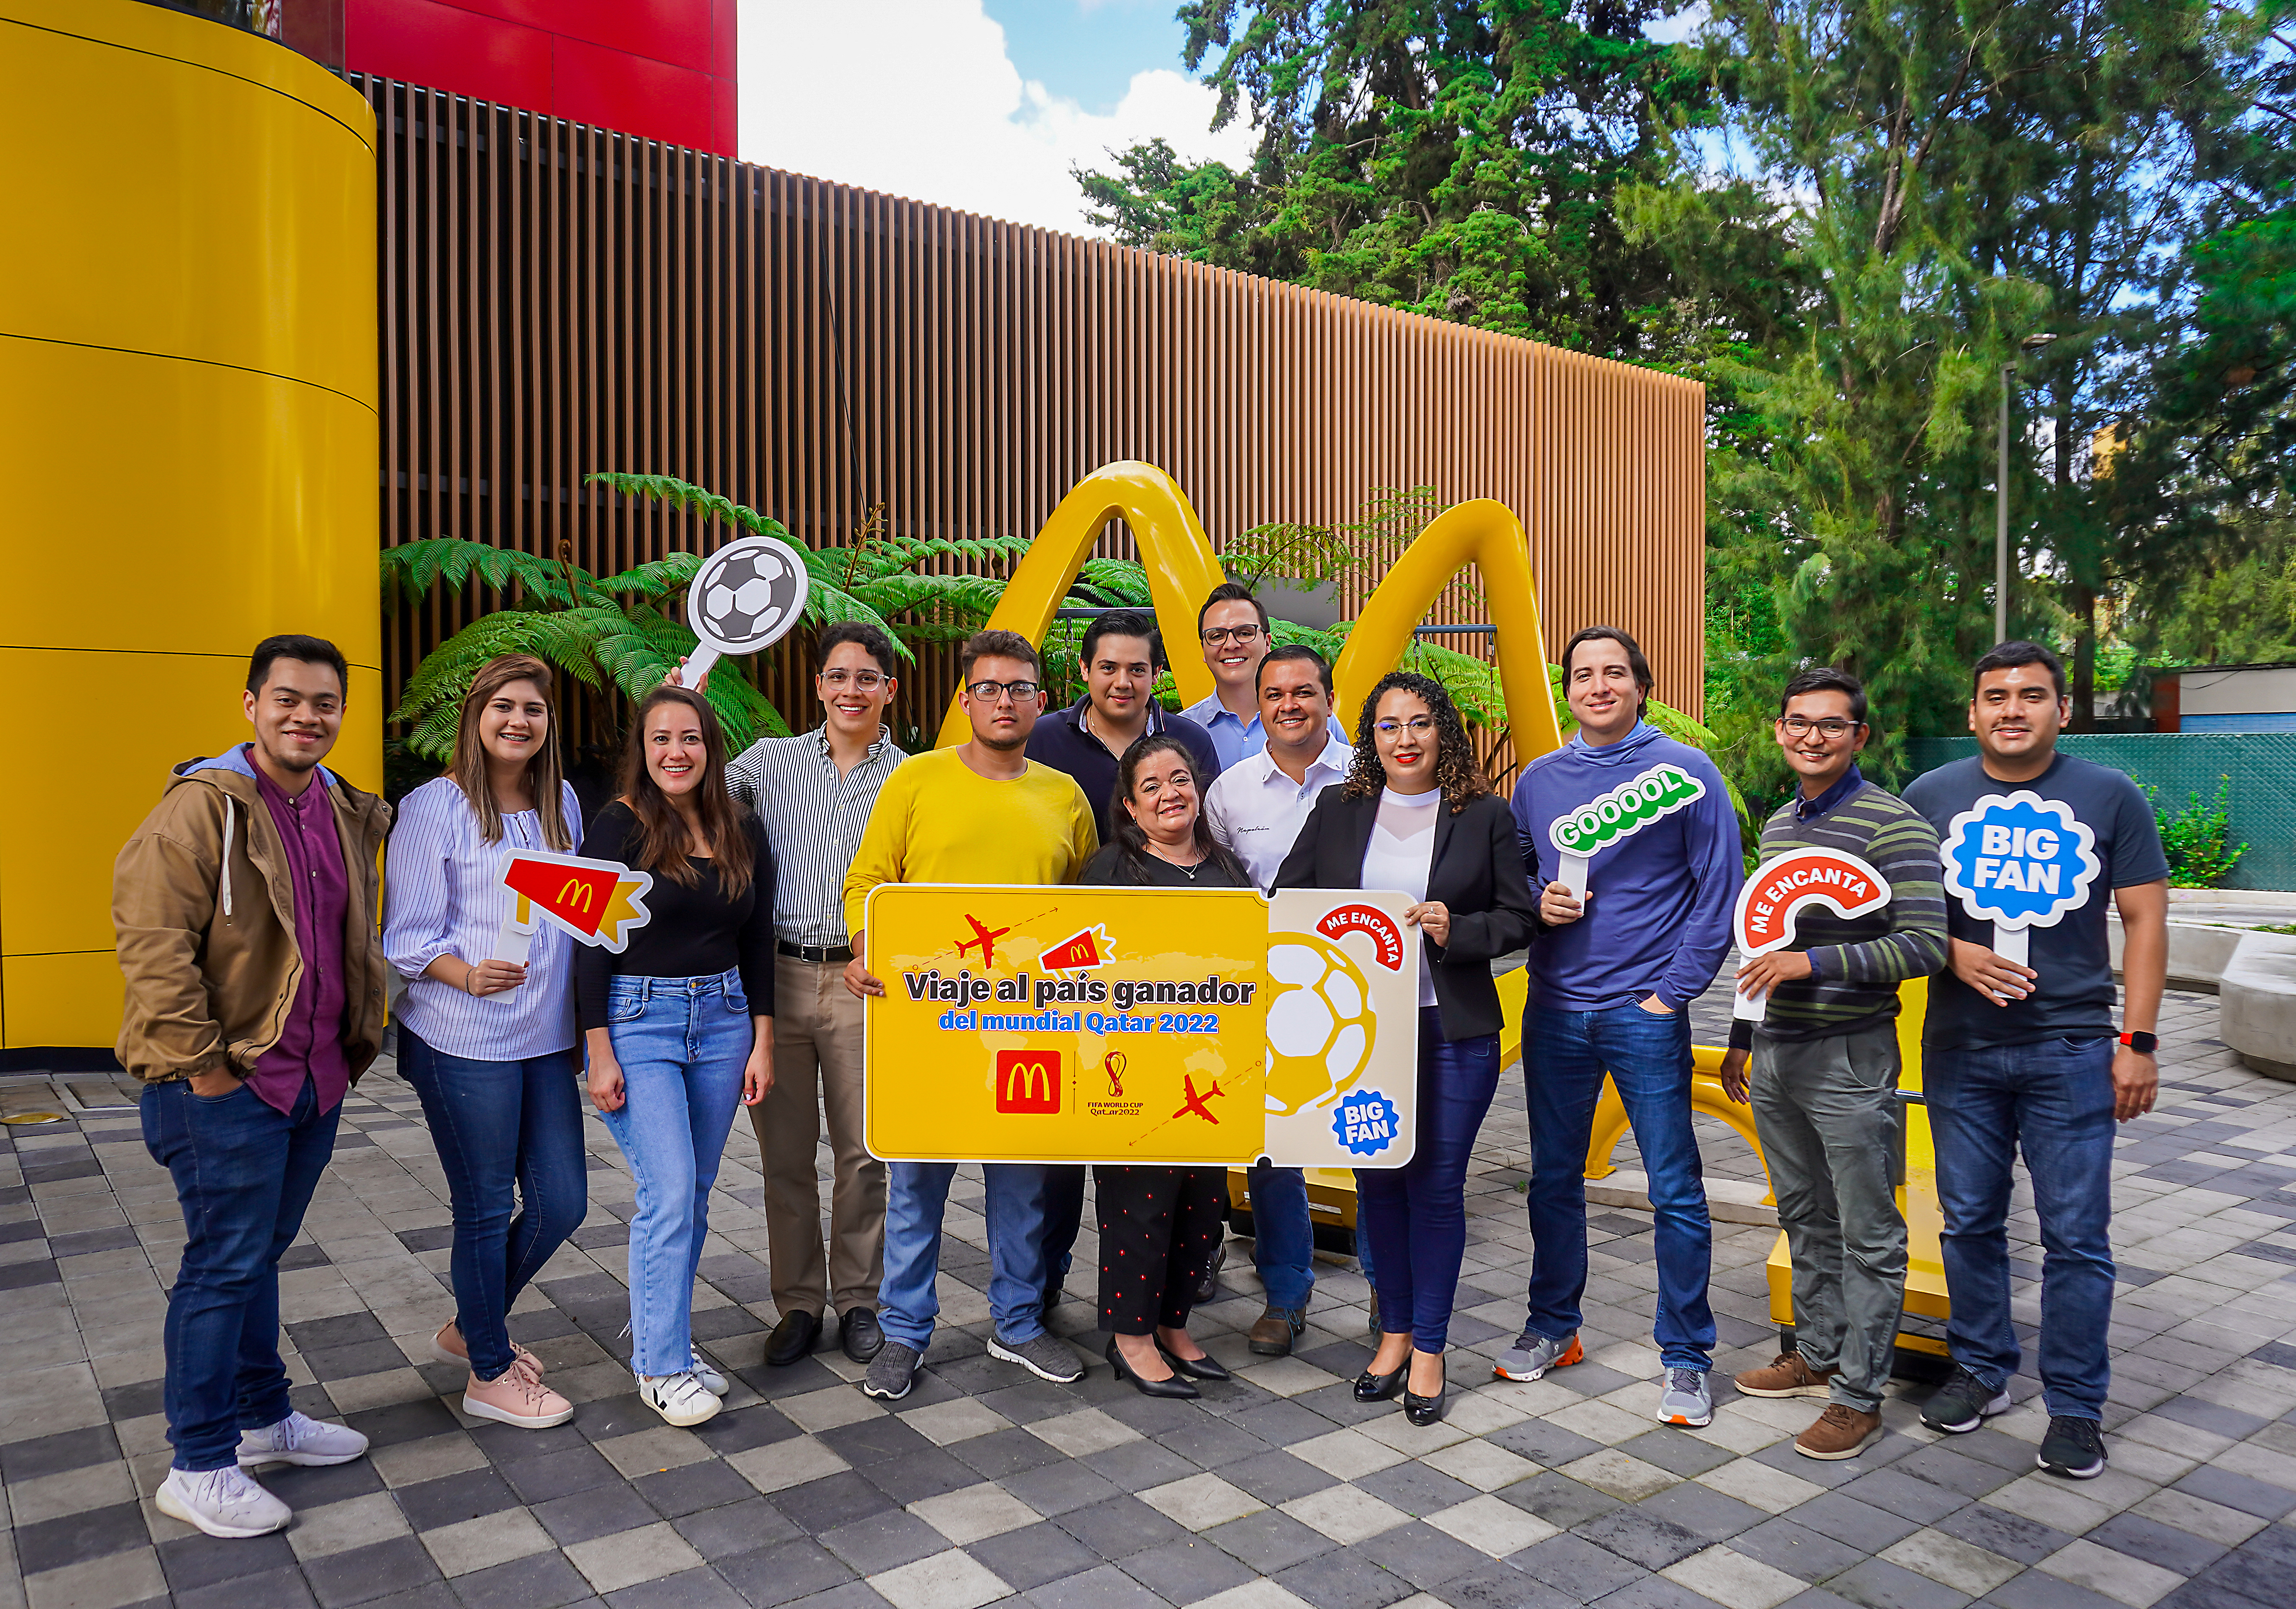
(662,70)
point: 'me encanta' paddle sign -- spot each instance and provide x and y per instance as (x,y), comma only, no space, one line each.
(1771,901)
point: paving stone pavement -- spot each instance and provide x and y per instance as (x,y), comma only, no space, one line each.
(986,1485)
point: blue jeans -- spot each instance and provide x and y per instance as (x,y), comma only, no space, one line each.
(2054,1100)
(1063,1217)
(681,1043)
(916,1195)
(244,1173)
(1416,1215)
(509,1134)
(1565,1054)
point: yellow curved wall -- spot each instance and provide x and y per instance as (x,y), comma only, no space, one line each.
(188,399)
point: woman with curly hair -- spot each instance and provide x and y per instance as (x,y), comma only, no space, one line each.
(1415,814)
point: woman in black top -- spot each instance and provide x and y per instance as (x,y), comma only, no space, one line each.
(1415,814)
(1159,1227)
(679,1025)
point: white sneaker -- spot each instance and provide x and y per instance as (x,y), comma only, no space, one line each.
(712,1381)
(299,1439)
(680,1399)
(222,1502)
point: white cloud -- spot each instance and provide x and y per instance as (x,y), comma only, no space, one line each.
(919,98)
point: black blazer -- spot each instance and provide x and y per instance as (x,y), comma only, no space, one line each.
(1476,871)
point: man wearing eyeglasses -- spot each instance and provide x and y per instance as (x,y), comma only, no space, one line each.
(1233,625)
(1825,1067)
(814,793)
(982,812)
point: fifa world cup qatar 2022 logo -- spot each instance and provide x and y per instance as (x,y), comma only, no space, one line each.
(2021,862)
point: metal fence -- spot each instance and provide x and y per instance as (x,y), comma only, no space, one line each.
(2261,767)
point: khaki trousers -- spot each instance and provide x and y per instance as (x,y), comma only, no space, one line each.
(818,1067)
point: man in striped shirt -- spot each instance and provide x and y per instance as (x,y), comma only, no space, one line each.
(814,793)
(1825,1067)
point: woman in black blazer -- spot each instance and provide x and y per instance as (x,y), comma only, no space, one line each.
(1416,814)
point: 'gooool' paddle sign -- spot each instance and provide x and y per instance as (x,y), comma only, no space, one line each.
(1650,796)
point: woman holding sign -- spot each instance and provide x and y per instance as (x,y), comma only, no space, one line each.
(1159,1227)
(679,1025)
(489,1045)
(1416,814)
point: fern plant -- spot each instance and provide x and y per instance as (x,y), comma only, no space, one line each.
(619,631)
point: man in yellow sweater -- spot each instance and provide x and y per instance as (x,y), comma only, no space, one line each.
(982,812)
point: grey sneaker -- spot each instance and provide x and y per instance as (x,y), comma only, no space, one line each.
(1963,1403)
(1686,1399)
(1042,1356)
(892,1370)
(1533,1354)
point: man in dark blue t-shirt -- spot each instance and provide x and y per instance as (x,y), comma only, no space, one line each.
(2020,1048)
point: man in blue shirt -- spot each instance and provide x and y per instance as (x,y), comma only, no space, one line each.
(1234,630)
(1637,909)
(1120,658)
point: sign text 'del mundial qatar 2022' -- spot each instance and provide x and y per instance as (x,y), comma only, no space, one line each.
(1196,1026)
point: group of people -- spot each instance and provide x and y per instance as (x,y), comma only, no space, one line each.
(259,949)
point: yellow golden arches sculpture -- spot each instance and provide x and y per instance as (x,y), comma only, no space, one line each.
(1182,568)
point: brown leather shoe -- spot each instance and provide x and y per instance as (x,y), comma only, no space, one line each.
(1841,1431)
(1788,1376)
(1272,1335)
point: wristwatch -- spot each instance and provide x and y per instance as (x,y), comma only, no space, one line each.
(2144,1044)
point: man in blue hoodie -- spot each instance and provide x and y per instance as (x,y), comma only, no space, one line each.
(1633,840)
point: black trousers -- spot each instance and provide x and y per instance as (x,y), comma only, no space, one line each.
(1159,1228)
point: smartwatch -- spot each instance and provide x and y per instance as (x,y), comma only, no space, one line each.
(2144,1044)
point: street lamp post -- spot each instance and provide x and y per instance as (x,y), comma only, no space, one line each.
(2031,343)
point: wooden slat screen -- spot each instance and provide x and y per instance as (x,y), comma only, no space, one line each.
(559,299)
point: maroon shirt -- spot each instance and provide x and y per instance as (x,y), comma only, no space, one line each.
(311,1044)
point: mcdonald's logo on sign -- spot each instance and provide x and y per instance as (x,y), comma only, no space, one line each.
(1028,1081)
(576,895)
(599,902)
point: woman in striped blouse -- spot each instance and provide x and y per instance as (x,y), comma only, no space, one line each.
(488,1043)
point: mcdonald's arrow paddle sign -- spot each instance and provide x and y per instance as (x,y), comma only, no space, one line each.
(600,902)
(1771,899)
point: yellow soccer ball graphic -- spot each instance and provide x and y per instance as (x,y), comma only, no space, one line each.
(1319,1022)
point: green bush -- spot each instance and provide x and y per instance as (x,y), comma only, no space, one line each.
(2198,838)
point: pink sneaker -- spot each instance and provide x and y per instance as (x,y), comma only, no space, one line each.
(447,1347)
(515,1396)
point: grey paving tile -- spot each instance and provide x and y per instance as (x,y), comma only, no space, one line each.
(194,1561)
(696,1588)
(820,1506)
(1118,1527)
(1269,1542)
(1421,1554)
(883,1541)
(784,1572)
(1344,1579)
(73,1539)
(2012,1536)
(1499,1586)
(1905,1496)
(471,1495)
(555,1475)
(1416,1488)
(280,1587)
(736,1528)
(2238,1491)
(2039,1590)
(1796,1549)
(1878,1584)
(1058,1489)
(1105,1587)
(1675,1450)
(600,1511)
(1653,1592)
(692,1487)
(540,1581)
(1845,1519)
(1706,1514)
(1558,1499)
(2162,1545)
(1187,1571)
(1576,1567)
(365,1574)
(1033,1554)
(1640,1536)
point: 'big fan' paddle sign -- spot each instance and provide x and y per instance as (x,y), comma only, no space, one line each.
(2021,862)
(1638,802)
(1771,901)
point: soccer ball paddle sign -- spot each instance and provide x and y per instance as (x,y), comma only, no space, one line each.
(745,597)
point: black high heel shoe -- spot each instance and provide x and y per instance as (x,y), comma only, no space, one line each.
(1206,1367)
(1378,1388)
(1173,1387)
(1424,1411)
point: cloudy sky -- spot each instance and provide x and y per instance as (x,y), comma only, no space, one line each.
(978,104)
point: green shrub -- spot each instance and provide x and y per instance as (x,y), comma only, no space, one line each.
(2198,838)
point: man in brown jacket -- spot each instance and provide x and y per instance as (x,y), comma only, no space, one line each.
(245,910)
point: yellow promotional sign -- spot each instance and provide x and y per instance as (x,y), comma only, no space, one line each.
(1070,1025)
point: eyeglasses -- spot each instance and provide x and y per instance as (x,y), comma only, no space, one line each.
(1418,726)
(1832,728)
(864,681)
(989,693)
(1242,636)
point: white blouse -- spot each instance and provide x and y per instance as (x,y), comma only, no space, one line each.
(443,896)
(1401,850)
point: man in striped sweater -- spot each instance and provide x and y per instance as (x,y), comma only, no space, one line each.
(1825,1067)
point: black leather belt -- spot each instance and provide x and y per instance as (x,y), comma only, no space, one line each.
(818,954)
